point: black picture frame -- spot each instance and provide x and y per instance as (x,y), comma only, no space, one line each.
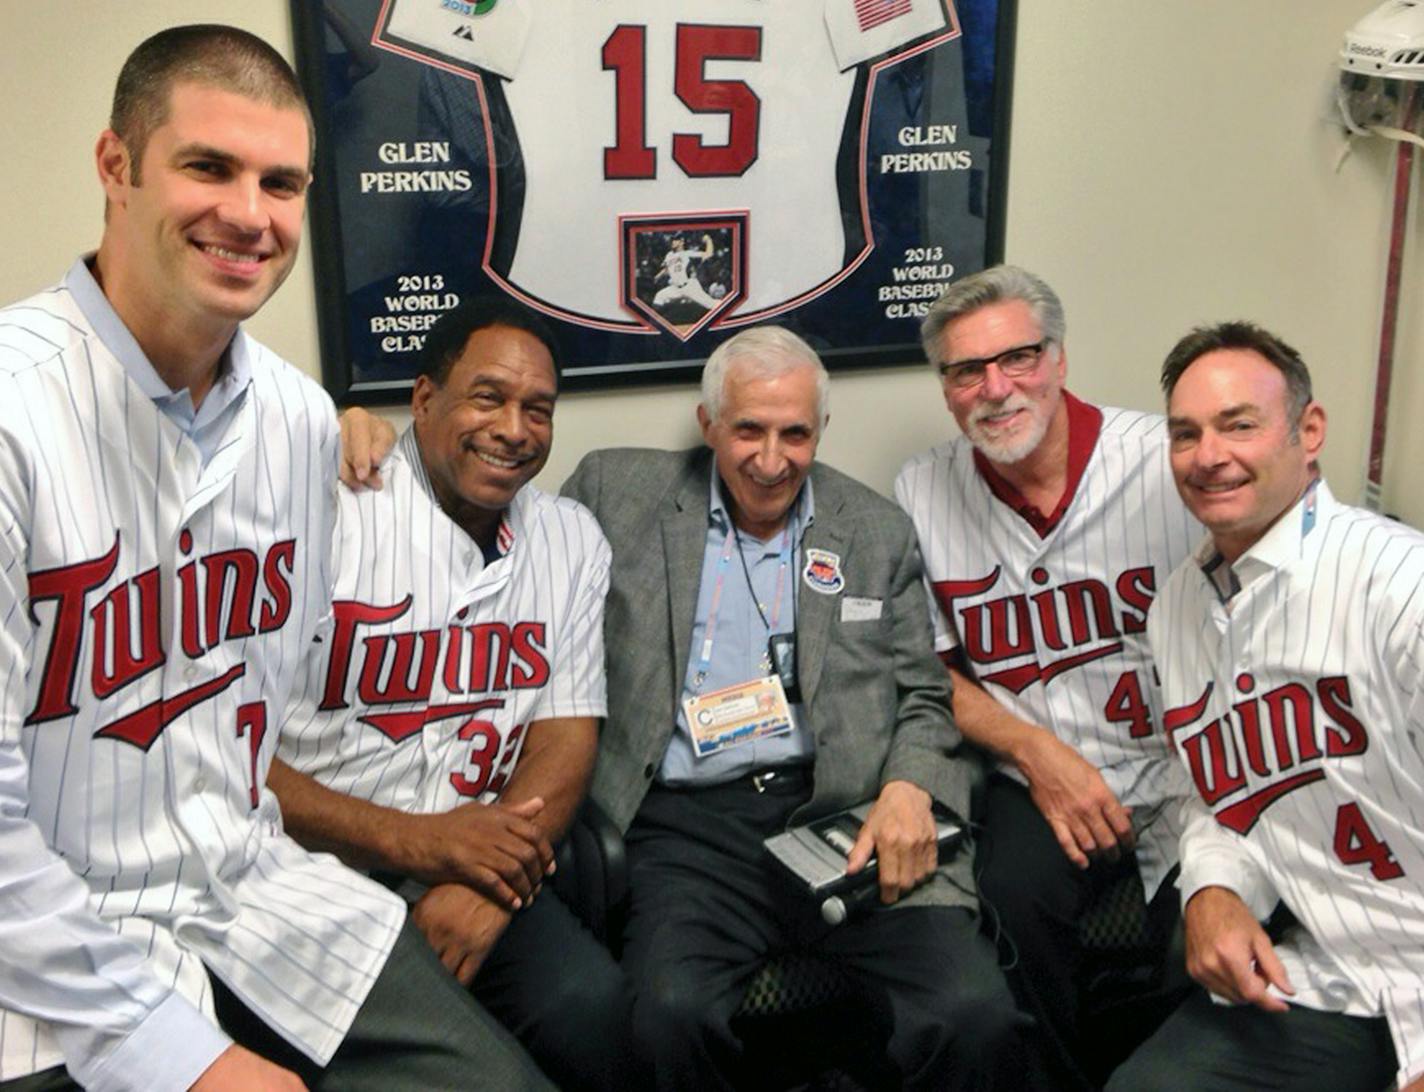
(836,199)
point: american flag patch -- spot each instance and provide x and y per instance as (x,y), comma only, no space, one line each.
(871,13)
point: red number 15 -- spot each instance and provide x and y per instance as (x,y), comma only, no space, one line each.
(625,54)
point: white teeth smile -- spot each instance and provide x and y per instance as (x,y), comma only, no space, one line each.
(1219,488)
(230,255)
(495,460)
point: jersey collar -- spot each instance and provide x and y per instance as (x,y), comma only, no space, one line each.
(234,369)
(1284,542)
(408,448)
(1085,424)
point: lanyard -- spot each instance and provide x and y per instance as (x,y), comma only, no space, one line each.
(731,542)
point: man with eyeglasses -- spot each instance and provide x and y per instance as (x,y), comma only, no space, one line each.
(1046,529)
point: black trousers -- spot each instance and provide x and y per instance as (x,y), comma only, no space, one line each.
(1039,896)
(708,909)
(551,982)
(1205,1047)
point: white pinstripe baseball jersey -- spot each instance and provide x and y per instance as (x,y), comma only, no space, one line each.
(666,106)
(438,661)
(1298,709)
(678,264)
(154,612)
(1053,624)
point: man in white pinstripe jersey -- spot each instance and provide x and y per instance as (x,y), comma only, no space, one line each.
(1291,649)
(1045,530)
(446,734)
(164,532)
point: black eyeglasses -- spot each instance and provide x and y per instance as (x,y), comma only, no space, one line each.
(1015,362)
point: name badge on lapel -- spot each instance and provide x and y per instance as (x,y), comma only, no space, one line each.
(854,608)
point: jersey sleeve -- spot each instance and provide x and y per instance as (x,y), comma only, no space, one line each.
(577,684)
(434,29)
(925,733)
(306,738)
(1213,856)
(117,1024)
(945,639)
(863,29)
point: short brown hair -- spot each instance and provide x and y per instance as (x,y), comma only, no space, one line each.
(205,53)
(1246,336)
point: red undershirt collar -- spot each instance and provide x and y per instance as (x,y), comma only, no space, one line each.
(1085,422)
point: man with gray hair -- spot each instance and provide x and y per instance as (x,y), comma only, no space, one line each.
(745,570)
(1046,529)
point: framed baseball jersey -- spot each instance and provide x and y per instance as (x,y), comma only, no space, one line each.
(649,174)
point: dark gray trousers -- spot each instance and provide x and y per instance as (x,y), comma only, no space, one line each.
(418,1031)
(1205,1047)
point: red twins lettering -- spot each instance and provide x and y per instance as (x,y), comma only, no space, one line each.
(1277,741)
(395,668)
(218,601)
(1059,618)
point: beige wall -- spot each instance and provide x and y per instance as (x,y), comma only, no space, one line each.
(1171,163)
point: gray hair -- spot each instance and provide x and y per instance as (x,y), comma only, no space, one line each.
(993,285)
(765,352)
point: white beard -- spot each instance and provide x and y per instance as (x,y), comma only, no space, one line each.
(1013,449)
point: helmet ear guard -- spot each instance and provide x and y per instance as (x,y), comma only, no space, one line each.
(1381,63)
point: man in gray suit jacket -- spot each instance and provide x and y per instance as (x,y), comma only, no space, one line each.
(728,560)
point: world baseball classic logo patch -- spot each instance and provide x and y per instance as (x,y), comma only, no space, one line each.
(823,572)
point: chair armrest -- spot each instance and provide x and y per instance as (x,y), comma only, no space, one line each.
(592,876)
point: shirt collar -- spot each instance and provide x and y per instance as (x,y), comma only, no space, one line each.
(234,370)
(511,520)
(803,508)
(1085,424)
(1283,543)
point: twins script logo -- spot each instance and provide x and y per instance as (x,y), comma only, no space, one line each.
(1068,617)
(1282,736)
(401,668)
(223,596)
(1082,620)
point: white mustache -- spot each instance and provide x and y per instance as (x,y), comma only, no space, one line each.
(1015,401)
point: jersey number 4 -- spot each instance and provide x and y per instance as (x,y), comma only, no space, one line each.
(1125,706)
(625,54)
(1356,843)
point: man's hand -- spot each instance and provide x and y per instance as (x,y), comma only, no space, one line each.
(1229,953)
(366,440)
(461,925)
(497,849)
(1085,816)
(237,1069)
(900,830)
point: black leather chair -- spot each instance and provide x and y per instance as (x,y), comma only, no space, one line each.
(592,873)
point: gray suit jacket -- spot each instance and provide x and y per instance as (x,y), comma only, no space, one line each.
(875,694)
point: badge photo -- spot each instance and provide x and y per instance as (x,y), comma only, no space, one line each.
(823,572)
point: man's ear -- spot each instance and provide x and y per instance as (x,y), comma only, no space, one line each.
(111,158)
(1312,430)
(705,423)
(420,396)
